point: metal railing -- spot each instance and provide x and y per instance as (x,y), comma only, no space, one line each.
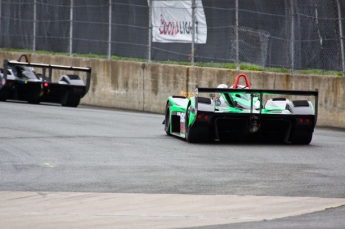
(285,34)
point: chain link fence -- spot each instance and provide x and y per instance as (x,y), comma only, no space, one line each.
(284,34)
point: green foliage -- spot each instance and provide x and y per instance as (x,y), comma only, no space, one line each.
(319,72)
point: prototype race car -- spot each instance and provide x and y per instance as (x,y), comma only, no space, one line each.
(20,81)
(239,113)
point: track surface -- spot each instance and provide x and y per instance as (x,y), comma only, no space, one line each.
(87,153)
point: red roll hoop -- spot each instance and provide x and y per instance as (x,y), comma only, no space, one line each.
(238,79)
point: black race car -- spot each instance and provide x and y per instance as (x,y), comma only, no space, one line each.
(20,81)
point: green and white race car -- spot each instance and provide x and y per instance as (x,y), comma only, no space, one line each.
(240,113)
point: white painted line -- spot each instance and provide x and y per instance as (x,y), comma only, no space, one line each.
(48,165)
(115,210)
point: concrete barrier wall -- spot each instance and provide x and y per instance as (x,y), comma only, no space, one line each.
(145,87)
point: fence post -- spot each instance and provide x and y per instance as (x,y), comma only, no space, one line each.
(236,38)
(71,29)
(149,48)
(109,30)
(341,38)
(193,32)
(34,29)
(292,39)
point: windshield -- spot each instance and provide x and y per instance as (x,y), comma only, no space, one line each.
(245,101)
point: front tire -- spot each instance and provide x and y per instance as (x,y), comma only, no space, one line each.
(167,119)
(189,131)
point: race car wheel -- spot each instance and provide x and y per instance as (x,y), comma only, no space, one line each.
(3,96)
(167,119)
(72,101)
(302,139)
(189,132)
(34,101)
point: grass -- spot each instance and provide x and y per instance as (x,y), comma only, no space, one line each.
(243,66)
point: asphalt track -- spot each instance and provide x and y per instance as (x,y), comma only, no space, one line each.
(102,168)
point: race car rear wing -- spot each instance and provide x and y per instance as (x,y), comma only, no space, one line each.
(50,68)
(259,92)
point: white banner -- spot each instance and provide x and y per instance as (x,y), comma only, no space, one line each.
(172,22)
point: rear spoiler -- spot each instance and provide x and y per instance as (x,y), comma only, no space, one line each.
(261,92)
(50,68)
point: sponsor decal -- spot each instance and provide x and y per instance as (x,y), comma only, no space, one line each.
(182,116)
(172,22)
(182,121)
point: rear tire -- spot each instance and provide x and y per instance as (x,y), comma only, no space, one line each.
(34,101)
(302,139)
(72,102)
(3,96)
